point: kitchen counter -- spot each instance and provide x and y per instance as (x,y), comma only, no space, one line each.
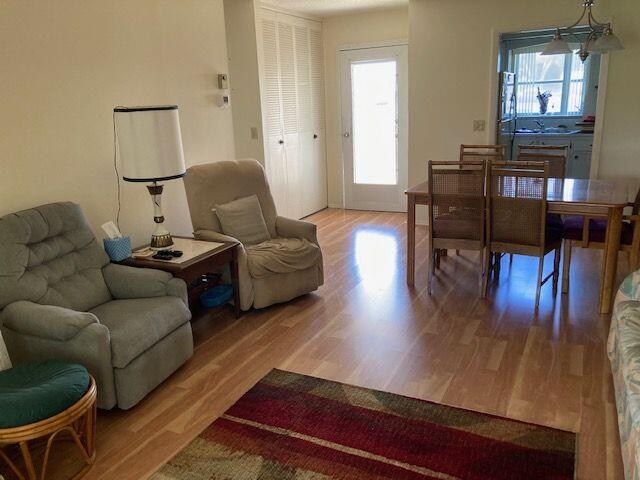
(570,133)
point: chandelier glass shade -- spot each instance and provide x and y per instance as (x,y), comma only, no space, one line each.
(600,38)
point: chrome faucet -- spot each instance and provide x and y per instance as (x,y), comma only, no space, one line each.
(540,124)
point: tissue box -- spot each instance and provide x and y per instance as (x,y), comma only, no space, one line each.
(118,249)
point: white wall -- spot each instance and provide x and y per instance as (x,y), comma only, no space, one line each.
(240,22)
(620,153)
(67,63)
(452,76)
(363,28)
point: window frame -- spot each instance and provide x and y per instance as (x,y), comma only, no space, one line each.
(566,81)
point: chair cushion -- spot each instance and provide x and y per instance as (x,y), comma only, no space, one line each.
(554,220)
(243,220)
(281,255)
(135,325)
(5,361)
(597,229)
(36,391)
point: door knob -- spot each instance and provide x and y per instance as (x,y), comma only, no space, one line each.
(280,141)
(346,135)
(315,135)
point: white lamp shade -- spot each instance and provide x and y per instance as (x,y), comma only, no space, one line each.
(556,46)
(606,43)
(150,143)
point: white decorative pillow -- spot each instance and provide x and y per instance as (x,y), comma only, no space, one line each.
(243,219)
(5,361)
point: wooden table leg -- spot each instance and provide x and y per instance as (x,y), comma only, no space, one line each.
(610,259)
(411,240)
(235,281)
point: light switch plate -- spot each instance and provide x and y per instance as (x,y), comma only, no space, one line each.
(223,81)
(478,125)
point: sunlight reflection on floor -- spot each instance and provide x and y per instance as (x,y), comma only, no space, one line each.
(376,257)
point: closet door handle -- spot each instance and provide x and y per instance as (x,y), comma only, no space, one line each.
(315,135)
(281,142)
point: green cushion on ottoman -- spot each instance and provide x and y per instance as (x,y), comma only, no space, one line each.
(36,391)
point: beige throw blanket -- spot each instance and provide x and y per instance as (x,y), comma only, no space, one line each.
(281,255)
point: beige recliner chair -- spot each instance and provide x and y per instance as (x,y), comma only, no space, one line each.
(217,183)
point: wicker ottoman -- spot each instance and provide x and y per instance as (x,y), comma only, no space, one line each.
(44,401)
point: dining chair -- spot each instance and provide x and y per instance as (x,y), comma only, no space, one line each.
(590,232)
(475,152)
(544,149)
(557,162)
(456,210)
(517,217)
(482,152)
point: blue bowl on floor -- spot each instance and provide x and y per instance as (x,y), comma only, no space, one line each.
(218,295)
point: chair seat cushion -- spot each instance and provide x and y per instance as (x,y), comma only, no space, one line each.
(554,220)
(138,324)
(573,227)
(37,391)
(281,255)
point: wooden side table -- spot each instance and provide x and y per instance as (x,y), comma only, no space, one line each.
(197,260)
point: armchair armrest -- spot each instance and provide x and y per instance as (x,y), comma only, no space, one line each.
(131,282)
(290,228)
(212,236)
(45,321)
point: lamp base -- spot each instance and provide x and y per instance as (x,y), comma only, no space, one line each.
(161,238)
(161,242)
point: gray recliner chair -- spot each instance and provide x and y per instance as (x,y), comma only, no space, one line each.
(60,298)
(211,184)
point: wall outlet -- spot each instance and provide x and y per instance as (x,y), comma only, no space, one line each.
(223,100)
(478,125)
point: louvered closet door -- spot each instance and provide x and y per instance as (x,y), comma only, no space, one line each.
(294,113)
(316,174)
(272,104)
(305,116)
(288,94)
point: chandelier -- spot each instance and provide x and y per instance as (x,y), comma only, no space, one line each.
(600,38)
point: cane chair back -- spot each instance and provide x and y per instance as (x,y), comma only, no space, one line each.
(469,153)
(544,149)
(557,162)
(456,208)
(517,218)
(517,193)
(457,200)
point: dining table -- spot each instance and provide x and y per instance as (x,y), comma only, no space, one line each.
(569,196)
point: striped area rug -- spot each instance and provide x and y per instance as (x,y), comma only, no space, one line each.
(291,426)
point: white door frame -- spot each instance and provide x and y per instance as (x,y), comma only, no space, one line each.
(403,120)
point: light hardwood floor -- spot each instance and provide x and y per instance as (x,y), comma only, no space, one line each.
(366,327)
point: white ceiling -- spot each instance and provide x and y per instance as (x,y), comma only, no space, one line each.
(328,8)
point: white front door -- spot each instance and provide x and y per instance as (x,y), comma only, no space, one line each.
(374,88)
